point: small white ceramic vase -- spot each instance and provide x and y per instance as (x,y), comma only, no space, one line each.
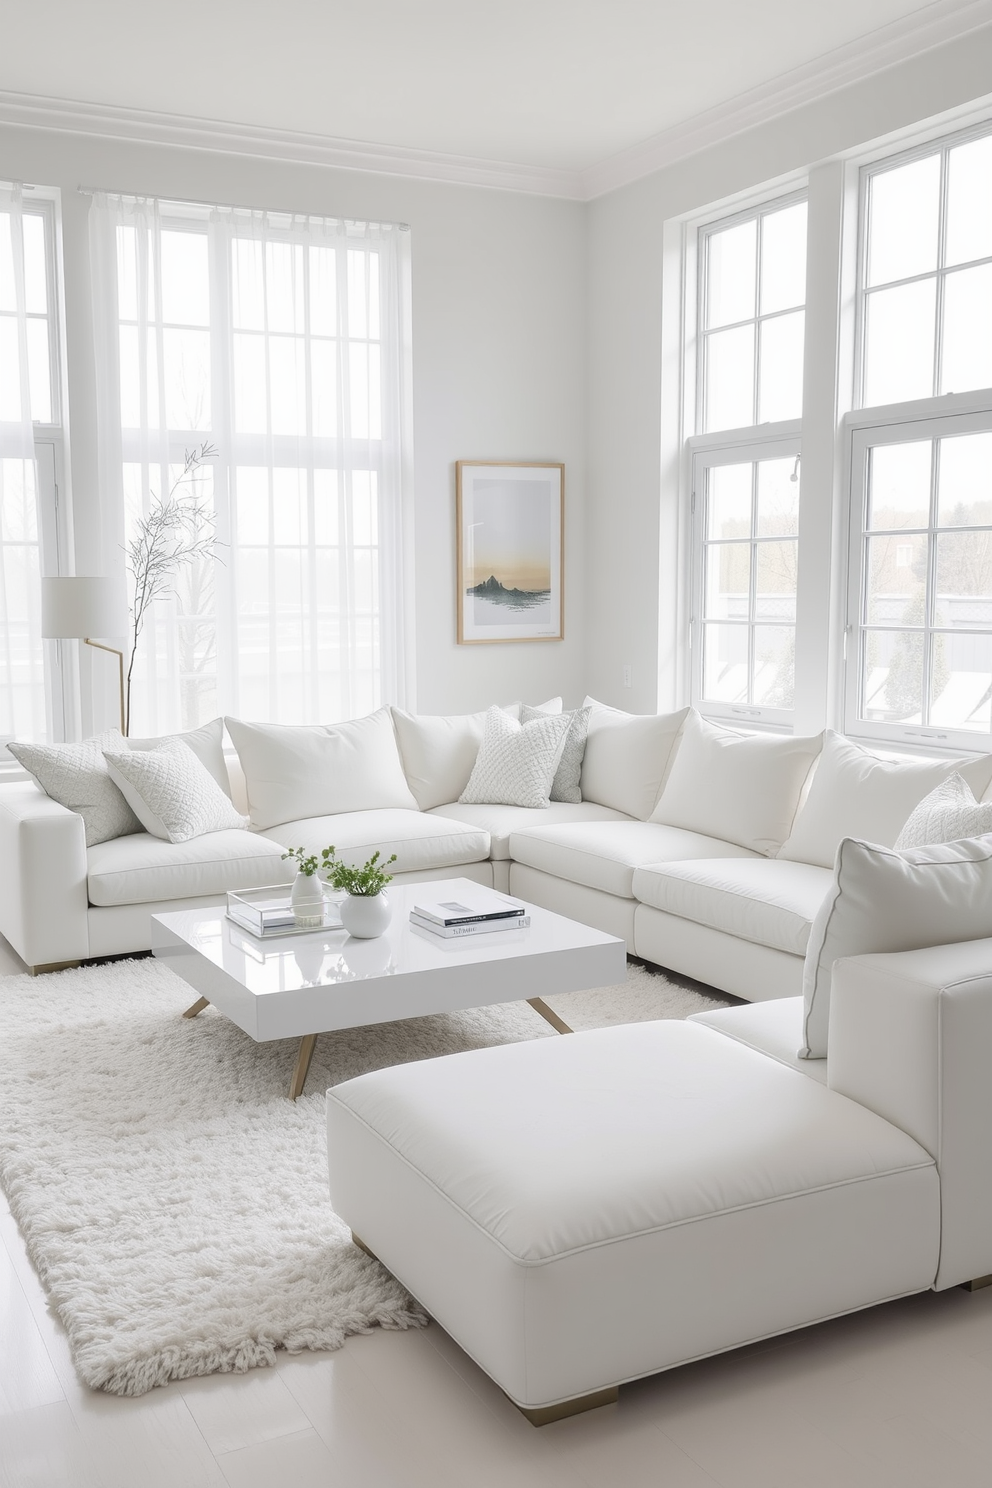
(365,915)
(307,899)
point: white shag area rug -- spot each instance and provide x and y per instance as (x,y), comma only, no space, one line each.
(173,1200)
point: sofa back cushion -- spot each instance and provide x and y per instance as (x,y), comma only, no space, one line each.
(855,794)
(439,751)
(627,757)
(883,900)
(206,742)
(744,788)
(294,771)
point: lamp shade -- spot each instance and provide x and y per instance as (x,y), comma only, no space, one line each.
(79,607)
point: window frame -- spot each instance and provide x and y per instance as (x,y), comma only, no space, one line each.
(755,211)
(880,164)
(730,447)
(899,423)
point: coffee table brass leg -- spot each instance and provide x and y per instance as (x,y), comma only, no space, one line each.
(549,1014)
(296,1084)
(198,1006)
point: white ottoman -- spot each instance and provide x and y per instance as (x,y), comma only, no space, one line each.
(582,1211)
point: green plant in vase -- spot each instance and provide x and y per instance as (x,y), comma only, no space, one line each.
(365,912)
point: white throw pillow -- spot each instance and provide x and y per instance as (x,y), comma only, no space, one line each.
(856,794)
(206,742)
(883,900)
(742,788)
(76,776)
(567,784)
(171,792)
(439,750)
(517,761)
(627,757)
(297,771)
(947,814)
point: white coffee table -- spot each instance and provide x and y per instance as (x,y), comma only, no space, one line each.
(299,986)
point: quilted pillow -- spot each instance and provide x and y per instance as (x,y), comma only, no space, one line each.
(566,785)
(171,793)
(517,762)
(946,815)
(76,776)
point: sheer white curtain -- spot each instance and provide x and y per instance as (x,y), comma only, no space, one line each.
(282,342)
(22,680)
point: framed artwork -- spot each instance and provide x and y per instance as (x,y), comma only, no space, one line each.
(510,551)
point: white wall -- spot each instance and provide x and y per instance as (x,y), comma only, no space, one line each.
(633,529)
(499,355)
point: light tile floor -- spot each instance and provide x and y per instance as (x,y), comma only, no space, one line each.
(896,1397)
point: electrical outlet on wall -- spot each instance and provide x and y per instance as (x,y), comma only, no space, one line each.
(627,669)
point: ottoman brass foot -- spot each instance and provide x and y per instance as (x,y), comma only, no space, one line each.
(545,1414)
(198,1006)
(977,1284)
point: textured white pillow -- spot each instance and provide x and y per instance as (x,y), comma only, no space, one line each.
(439,750)
(856,794)
(517,761)
(742,788)
(947,814)
(628,756)
(297,771)
(883,900)
(76,776)
(206,742)
(567,784)
(171,793)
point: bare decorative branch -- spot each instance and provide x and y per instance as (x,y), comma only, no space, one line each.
(177,531)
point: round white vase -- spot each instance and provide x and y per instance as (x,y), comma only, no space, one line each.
(365,915)
(307,899)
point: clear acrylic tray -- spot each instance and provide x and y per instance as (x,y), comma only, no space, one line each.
(268,912)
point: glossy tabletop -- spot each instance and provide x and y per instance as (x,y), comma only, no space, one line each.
(294,985)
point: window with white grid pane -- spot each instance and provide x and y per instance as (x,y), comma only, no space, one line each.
(278,340)
(746,521)
(920,655)
(751,317)
(926,302)
(30,700)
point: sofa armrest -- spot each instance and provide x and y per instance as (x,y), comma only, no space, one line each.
(43,903)
(910,1035)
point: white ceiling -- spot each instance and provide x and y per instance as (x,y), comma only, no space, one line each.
(562,84)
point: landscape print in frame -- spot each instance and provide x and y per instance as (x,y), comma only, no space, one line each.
(510,570)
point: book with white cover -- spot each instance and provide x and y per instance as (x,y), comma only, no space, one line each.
(467,903)
(471,927)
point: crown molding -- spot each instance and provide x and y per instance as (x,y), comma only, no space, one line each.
(935,24)
(109,122)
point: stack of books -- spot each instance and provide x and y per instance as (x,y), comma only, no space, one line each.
(478,912)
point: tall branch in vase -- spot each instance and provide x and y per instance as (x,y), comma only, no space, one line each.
(177,531)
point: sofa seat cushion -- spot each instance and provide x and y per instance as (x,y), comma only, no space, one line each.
(419,840)
(651,1193)
(769,901)
(141,869)
(605,855)
(500,821)
(774,1028)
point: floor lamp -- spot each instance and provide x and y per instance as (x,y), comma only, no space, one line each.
(78,608)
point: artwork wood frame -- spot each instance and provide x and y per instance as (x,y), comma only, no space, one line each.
(511,569)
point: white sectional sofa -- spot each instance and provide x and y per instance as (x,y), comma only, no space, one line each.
(708,851)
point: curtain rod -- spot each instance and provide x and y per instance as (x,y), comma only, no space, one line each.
(192,201)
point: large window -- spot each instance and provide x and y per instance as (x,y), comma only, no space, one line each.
(745,483)
(752,293)
(279,341)
(919,658)
(30,703)
(927,274)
